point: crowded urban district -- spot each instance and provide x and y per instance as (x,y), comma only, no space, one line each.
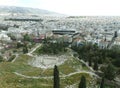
(59,52)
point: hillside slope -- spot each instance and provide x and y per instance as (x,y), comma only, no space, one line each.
(25,11)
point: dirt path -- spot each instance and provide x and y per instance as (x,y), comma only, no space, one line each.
(50,77)
(30,53)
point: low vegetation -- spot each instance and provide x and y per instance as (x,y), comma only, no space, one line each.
(52,48)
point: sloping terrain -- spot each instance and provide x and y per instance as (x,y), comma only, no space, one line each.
(20,74)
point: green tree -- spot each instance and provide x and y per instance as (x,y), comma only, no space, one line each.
(82,83)
(52,48)
(102,83)
(56,77)
(95,67)
(26,37)
(25,49)
(90,61)
(19,45)
(110,72)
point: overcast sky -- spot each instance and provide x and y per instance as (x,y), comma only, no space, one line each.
(71,7)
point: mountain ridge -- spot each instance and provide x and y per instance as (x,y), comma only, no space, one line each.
(26,11)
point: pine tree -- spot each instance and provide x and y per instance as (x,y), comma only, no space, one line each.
(82,83)
(56,77)
(102,83)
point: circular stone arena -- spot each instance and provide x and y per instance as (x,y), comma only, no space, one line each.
(46,61)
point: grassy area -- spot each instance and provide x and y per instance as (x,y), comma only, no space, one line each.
(75,78)
(9,80)
(72,65)
(69,66)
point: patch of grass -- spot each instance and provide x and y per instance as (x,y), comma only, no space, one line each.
(10,80)
(47,72)
(38,72)
(74,79)
(66,69)
(23,59)
(72,65)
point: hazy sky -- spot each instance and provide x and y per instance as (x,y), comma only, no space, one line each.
(71,7)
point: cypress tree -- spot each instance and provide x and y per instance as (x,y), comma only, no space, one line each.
(82,83)
(56,77)
(102,83)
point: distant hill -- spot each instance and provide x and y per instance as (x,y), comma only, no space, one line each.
(25,11)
